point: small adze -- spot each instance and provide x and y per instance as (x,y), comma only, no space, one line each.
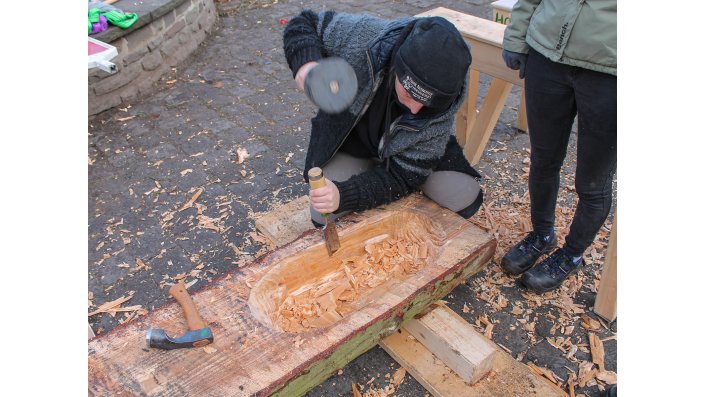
(316,180)
(198,335)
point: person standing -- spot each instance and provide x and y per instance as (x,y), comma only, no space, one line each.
(566,52)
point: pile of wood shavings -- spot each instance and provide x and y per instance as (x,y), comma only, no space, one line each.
(509,222)
(394,382)
(325,303)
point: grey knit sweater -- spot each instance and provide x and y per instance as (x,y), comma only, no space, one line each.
(415,145)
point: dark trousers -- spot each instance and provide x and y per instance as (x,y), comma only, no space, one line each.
(555,93)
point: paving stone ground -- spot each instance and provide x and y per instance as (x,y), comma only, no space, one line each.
(236,92)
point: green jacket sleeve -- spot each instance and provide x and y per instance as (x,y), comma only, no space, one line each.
(515,33)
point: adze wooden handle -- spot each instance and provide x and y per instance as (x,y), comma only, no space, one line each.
(193,319)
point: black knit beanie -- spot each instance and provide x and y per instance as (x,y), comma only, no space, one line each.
(432,62)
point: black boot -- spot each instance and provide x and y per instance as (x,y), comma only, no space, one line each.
(550,273)
(522,256)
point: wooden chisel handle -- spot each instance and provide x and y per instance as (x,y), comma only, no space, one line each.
(193,319)
(316,179)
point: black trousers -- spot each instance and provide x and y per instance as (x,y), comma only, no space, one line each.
(555,93)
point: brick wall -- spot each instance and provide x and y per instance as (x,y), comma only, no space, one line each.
(147,53)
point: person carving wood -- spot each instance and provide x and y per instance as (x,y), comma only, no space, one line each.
(397,136)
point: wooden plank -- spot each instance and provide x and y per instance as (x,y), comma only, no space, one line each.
(91,334)
(251,354)
(479,29)
(508,378)
(285,223)
(450,338)
(486,120)
(606,300)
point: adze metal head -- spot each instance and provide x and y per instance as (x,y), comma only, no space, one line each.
(198,335)
(158,338)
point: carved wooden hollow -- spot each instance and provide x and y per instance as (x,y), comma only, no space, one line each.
(252,353)
(311,290)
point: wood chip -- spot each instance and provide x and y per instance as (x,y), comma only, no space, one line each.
(356,393)
(613,337)
(112,305)
(242,155)
(193,199)
(298,342)
(608,377)
(325,302)
(398,376)
(597,350)
(585,373)
(571,384)
(260,238)
(547,374)
(488,331)
(590,323)
(505,348)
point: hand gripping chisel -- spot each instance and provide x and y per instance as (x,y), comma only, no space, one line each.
(316,180)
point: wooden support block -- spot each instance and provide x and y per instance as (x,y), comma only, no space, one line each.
(508,377)
(428,370)
(450,338)
(486,120)
(606,301)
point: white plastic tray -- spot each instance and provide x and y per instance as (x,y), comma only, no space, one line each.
(100,54)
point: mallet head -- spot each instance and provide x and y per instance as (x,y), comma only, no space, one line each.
(331,85)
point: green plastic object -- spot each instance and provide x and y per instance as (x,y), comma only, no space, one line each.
(118,18)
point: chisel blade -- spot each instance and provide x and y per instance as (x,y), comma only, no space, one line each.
(330,234)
